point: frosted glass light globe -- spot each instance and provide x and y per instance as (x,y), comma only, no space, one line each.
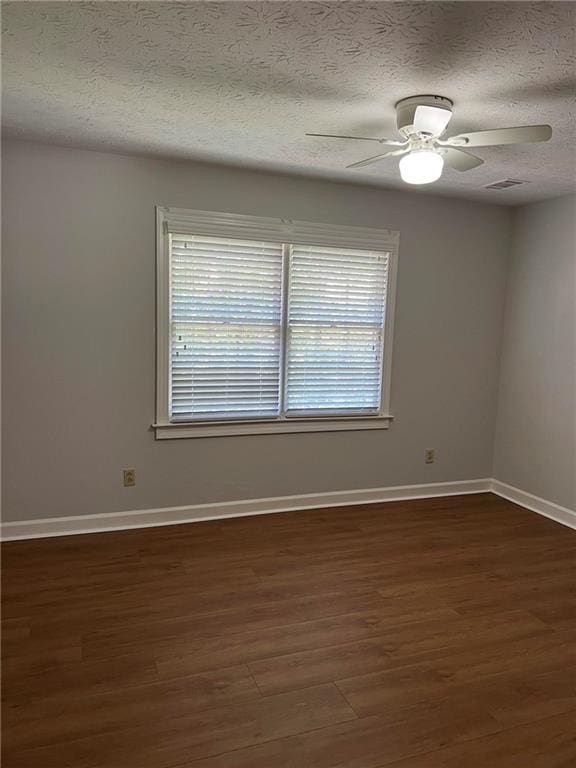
(423,166)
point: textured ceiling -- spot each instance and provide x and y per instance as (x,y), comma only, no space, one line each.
(241,82)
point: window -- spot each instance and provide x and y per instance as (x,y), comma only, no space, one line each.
(269,325)
(335,331)
(226,328)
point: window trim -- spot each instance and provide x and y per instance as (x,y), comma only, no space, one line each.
(184,221)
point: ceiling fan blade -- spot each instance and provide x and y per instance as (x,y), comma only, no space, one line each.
(500,136)
(377,158)
(459,159)
(390,142)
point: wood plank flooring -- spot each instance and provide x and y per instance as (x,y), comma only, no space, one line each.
(437,633)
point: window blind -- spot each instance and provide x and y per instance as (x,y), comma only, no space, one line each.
(336,311)
(225,318)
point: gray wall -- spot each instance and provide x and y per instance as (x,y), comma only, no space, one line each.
(78,247)
(536,428)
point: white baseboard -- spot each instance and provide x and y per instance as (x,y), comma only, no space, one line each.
(535,503)
(144,518)
(147,518)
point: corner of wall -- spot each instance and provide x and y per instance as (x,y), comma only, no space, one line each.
(534,451)
(510,245)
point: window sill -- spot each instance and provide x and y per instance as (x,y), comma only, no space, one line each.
(225,429)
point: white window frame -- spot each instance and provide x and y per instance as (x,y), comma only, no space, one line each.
(182,221)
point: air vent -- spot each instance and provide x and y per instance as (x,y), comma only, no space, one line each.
(504,184)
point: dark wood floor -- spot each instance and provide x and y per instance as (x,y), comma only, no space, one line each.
(426,634)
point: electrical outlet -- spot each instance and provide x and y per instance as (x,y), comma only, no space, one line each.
(129,477)
(429,456)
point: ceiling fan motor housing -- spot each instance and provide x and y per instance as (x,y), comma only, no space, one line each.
(406,112)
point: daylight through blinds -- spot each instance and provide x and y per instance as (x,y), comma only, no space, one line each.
(336,314)
(225,300)
(254,338)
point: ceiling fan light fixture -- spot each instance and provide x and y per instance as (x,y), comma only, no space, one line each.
(422,166)
(431,121)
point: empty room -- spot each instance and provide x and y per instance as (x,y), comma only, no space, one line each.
(288,384)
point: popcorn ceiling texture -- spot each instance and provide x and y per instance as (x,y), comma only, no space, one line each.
(241,82)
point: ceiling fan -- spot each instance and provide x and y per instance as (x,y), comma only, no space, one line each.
(421,122)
